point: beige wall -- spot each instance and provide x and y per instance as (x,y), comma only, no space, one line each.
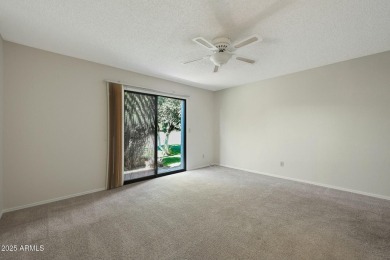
(1,124)
(56,124)
(330,125)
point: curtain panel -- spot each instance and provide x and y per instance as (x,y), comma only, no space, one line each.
(115,163)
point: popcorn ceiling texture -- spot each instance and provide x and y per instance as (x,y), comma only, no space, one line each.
(153,37)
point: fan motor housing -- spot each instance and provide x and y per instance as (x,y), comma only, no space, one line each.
(222,43)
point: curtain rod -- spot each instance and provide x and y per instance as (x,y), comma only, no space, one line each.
(146,89)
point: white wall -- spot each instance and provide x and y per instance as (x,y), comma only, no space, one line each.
(55,135)
(330,125)
(1,125)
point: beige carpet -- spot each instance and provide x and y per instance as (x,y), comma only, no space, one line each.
(211,213)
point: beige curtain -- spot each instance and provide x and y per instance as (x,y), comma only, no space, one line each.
(115,164)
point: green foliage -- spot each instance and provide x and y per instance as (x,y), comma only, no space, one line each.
(169,114)
(167,161)
(175,149)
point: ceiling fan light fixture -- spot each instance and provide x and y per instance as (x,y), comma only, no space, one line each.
(222,51)
(220,58)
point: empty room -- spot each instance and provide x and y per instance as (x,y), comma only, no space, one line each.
(195,129)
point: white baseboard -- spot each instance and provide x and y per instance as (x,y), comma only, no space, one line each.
(51,200)
(311,182)
(200,167)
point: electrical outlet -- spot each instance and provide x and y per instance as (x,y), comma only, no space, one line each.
(282,164)
(203,156)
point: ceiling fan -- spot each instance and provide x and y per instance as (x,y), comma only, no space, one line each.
(223,50)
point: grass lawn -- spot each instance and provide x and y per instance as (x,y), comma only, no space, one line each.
(175,156)
(171,160)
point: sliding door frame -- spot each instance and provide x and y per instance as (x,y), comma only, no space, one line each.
(184,131)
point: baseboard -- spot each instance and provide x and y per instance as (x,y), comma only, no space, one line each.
(200,167)
(52,200)
(311,182)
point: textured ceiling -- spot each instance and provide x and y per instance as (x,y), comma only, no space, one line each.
(153,37)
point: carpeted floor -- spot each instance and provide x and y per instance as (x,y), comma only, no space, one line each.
(211,213)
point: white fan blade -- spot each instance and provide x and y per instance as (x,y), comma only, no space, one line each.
(248,41)
(216,69)
(245,60)
(205,57)
(205,43)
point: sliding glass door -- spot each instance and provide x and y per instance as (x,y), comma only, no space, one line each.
(154,135)
(170,136)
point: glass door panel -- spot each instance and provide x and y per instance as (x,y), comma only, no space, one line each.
(139,135)
(170,134)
